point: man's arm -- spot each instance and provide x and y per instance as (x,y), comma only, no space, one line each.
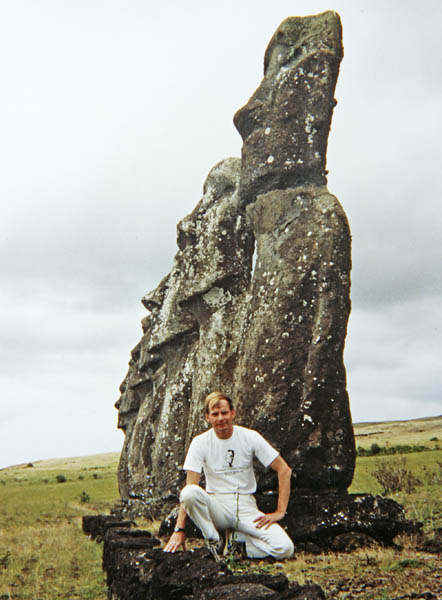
(284,474)
(178,538)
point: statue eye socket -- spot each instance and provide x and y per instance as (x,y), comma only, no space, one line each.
(185,235)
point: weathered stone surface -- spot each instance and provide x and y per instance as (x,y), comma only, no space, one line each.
(291,380)
(293,338)
(304,592)
(185,349)
(136,570)
(286,122)
(240,591)
(257,300)
(153,437)
(321,518)
(215,260)
(136,394)
(96,526)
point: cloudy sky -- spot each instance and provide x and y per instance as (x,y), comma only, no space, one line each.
(113,112)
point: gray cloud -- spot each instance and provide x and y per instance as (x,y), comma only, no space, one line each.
(111,118)
(393,360)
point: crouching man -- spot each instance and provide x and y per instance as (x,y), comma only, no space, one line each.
(225,453)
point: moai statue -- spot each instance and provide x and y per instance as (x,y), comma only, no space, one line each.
(215,258)
(257,301)
(158,389)
(190,341)
(291,381)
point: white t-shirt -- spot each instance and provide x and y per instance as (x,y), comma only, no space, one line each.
(228,464)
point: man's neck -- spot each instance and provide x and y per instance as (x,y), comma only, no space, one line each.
(227,436)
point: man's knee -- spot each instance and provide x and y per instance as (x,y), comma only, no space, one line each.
(190,493)
(281,545)
(285,548)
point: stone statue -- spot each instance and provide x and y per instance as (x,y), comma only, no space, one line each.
(191,338)
(291,377)
(257,301)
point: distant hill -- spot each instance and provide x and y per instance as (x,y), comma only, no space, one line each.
(426,431)
(106,459)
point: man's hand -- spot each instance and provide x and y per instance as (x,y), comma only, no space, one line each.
(177,539)
(266,520)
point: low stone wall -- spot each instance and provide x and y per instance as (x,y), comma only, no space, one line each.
(137,569)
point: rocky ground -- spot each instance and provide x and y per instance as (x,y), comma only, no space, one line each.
(136,567)
(374,573)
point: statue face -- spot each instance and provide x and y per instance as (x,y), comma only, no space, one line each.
(168,319)
(285,124)
(133,391)
(214,239)
(137,384)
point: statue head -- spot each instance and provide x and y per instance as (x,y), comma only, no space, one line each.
(286,122)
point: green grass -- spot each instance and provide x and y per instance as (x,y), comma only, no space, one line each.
(425,503)
(45,553)
(419,463)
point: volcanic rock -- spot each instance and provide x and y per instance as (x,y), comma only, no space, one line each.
(286,122)
(257,301)
(136,570)
(96,526)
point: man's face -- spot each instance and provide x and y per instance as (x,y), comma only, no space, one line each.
(221,418)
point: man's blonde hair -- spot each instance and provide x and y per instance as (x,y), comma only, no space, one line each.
(214,398)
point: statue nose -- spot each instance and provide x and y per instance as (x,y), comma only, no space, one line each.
(247,117)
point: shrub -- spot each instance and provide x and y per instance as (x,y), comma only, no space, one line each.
(433,477)
(407,563)
(375,448)
(84,497)
(395,476)
(60,478)
(4,560)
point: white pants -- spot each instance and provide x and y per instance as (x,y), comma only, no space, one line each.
(212,513)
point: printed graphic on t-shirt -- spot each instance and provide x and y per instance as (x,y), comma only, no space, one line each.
(229,467)
(230,455)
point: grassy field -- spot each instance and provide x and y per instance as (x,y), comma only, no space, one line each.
(45,556)
(43,551)
(427,432)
